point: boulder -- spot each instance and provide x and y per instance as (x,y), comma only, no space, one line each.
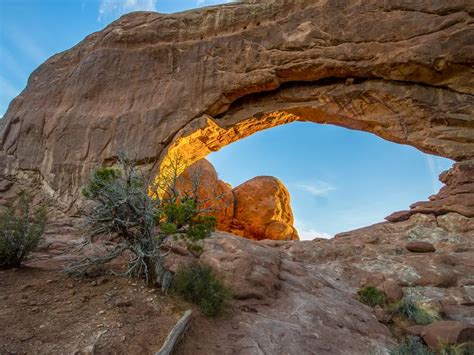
(447,332)
(215,196)
(393,291)
(420,247)
(257,209)
(262,210)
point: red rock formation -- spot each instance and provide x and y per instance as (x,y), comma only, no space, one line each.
(204,78)
(263,211)
(257,209)
(215,195)
(456,196)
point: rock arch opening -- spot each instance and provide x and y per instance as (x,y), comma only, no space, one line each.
(380,116)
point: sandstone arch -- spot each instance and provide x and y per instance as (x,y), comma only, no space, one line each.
(152,82)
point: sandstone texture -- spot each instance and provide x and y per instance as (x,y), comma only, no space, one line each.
(215,196)
(198,80)
(257,209)
(193,82)
(262,210)
(447,332)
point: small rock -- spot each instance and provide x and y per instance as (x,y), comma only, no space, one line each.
(420,247)
(101,312)
(392,290)
(381,315)
(123,303)
(447,332)
(414,330)
(51,281)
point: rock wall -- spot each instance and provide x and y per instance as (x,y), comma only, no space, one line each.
(198,80)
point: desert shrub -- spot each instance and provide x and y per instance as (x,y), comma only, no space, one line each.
(182,218)
(410,310)
(122,201)
(198,283)
(456,349)
(371,296)
(21,229)
(411,346)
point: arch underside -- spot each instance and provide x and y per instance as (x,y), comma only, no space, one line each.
(405,114)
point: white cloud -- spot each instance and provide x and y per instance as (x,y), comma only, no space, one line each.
(115,8)
(436,165)
(212,2)
(317,188)
(309,233)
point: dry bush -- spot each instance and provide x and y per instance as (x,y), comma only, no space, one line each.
(21,229)
(125,202)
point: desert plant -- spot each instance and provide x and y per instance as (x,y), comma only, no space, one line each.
(371,296)
(456,349)
(413,311)
(21,229)
(123,201)
(199,284)
(411,346)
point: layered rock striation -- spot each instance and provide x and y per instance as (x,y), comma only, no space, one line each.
(198,80)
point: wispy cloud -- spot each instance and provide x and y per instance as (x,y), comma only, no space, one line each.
(436,165)
(212,2)
(316,188)
(309,233)
(10,64)
(27,45)
(115,8)
(9,90)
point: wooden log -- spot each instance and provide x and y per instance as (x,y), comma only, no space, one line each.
(175,334)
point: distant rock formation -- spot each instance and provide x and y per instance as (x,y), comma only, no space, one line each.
(257,209)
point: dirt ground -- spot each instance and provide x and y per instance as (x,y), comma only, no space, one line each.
(44,311)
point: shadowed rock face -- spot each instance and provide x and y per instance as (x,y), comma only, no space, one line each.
(201,79)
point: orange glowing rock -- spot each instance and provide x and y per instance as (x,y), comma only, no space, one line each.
(257,209)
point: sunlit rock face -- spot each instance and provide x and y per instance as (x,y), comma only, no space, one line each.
(196,81)
(262,210)
(257,209)
(215,196)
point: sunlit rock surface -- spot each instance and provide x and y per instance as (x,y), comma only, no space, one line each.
(257,209)
(196,81)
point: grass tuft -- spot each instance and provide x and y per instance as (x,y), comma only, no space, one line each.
(198,283)
(420,314)
(371,296)
(411,346)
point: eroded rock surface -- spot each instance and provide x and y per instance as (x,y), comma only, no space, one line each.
(282,306)
(198,80)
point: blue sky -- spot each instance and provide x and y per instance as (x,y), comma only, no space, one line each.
(338,179)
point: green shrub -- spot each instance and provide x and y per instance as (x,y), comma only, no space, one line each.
(181,217)
(198,283)
(411,346)
(122,200)
(100,180)
(371,296)
(21,230)
(410,310)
